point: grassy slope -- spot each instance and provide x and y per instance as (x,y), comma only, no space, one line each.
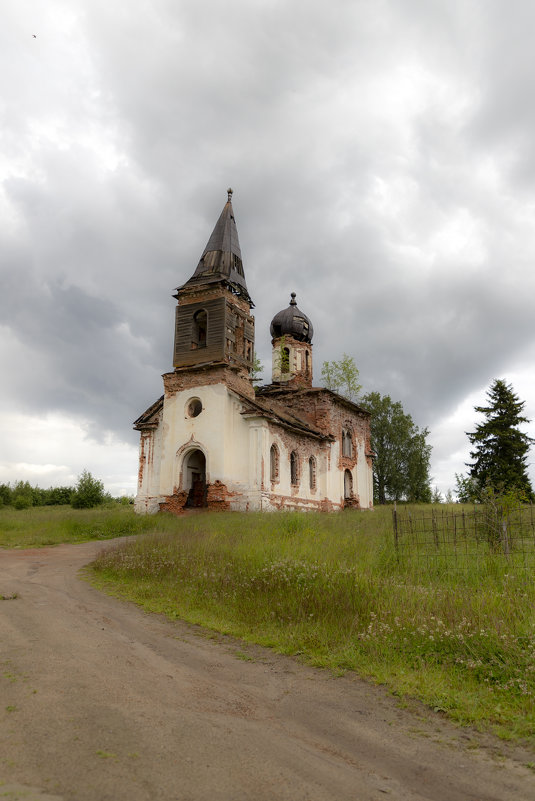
(328,588)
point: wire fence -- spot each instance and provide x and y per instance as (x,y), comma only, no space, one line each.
(456,539)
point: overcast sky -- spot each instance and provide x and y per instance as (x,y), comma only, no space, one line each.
(382,158)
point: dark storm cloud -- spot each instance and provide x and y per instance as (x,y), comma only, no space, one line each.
(376,152)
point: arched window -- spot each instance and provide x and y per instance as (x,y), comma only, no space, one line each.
(199,328)
(307,362)
(274,463)
(294,469)
(348,485)
(312,472)
(347,443)
(285,360)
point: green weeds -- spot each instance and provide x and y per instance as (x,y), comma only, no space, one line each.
(50,525)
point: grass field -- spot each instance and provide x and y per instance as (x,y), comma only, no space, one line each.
(329,589)
(50,525)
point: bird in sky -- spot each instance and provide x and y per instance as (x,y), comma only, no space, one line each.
(34,35)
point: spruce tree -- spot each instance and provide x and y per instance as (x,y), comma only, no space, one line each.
(500,448)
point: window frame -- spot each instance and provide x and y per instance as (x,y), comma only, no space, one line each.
(294,469)
(199,330)
(274,463)
(312,473)
(348,447)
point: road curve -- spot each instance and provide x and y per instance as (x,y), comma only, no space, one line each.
(100,700)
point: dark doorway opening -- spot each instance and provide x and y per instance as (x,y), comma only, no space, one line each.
(195,479)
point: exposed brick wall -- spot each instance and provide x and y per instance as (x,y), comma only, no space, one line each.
(144,449)
(204,292)
(218,498)
(301,378)
(332,417)
(351,503)
(304,447)
(174,503)
(191,377)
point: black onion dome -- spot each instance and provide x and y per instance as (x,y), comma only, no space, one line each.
(292,322)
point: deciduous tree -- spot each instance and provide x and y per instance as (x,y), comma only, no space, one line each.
(466,489)
(257,369)
(402,453)
(342,377)
(89,492)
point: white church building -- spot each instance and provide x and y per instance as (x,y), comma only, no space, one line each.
(214,440)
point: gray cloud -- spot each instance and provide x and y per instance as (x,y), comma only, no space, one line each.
(382,161)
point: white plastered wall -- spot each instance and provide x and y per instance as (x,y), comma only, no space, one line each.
(302,496)
(220,431)
(148,493)
(237,451)
(364,483)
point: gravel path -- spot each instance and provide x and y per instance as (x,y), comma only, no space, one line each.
(100,700)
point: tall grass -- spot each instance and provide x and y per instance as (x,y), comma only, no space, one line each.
(50,525)
(330,589)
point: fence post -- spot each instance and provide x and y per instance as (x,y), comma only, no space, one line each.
(395,524)
(435,529)
(505,541)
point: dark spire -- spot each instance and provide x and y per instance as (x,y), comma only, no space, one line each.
(221,258)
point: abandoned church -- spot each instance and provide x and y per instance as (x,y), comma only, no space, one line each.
(214,439)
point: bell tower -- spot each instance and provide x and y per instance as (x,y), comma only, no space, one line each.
(292,332)
(213,323)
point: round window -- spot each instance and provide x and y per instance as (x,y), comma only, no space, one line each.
(194,407)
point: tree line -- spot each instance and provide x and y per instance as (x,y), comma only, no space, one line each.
(87,493)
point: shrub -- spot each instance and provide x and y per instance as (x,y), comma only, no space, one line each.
(89,492)
(5,494)
(22,502)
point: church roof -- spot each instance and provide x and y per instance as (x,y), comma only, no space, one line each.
(284,395)
(278,413)
(293,322)
(221,259)
(150,417)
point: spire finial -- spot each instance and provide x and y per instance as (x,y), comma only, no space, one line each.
(230,193)
(293,301)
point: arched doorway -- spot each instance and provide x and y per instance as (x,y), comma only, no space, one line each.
(195,478)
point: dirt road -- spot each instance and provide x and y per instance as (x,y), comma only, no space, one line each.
(99,700)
